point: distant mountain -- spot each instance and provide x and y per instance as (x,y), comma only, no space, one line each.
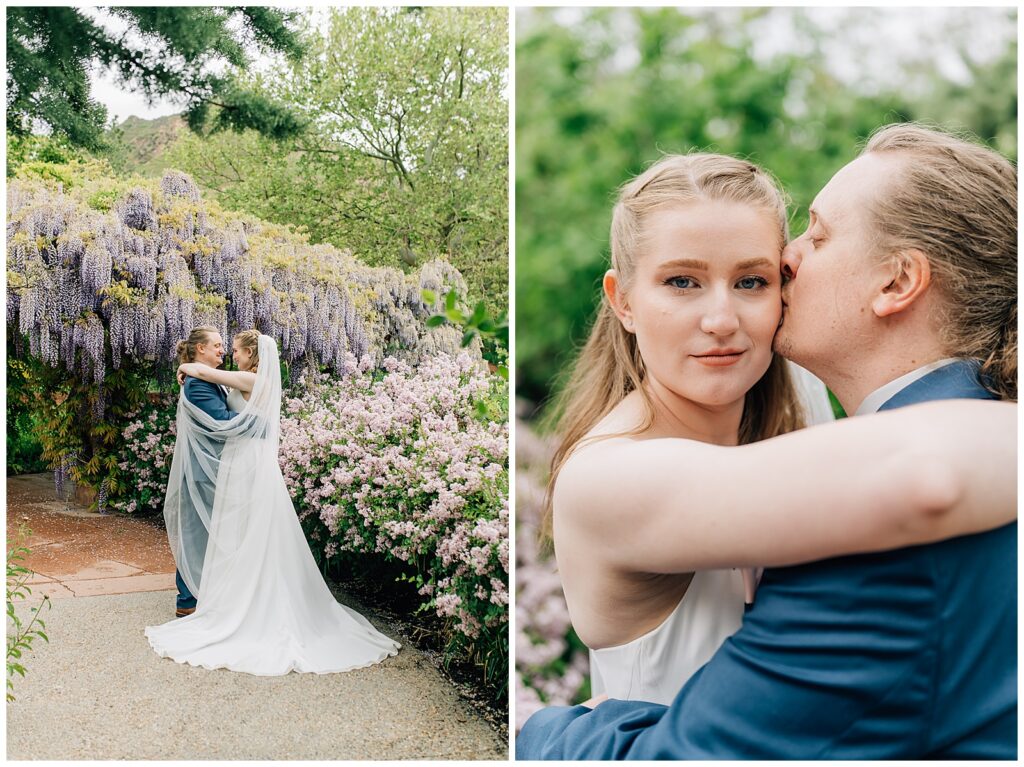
(139,145)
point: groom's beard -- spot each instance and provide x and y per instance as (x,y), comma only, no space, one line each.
(782,345)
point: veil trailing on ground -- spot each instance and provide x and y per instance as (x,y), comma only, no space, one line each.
(220,472)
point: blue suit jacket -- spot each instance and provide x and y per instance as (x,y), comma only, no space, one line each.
(209,398)
(897,655)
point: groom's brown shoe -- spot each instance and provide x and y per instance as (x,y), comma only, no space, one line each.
(181,612)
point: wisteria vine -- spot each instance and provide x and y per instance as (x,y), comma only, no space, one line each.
(137,278)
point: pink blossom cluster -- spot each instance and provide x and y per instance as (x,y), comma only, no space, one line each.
(552,666)
(144,460)
(398,463)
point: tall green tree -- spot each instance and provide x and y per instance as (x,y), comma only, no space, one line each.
(163,52)
(406,154)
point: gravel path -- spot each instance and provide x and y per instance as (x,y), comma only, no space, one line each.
(97,691)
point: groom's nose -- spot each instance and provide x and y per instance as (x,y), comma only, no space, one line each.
(790,261)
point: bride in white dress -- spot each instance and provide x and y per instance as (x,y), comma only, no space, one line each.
(263,606)
(655,665)
(675,478)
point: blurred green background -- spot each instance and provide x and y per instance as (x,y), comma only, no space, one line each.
(601,93)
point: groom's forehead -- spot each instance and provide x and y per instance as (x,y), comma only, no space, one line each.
(854,187)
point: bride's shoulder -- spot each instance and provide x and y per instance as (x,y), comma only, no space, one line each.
(590,472)
(608,474)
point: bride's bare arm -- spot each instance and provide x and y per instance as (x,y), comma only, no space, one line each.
(914,475)
(241,380)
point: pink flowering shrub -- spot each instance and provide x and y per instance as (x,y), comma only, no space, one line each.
(399,463)
(552,665)
(144,460)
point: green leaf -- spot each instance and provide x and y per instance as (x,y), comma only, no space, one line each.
(428,296)
(467,337)
(479,313)
(436,320)
(449,300)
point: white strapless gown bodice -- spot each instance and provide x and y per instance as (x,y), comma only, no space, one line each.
(236,401)
(655,666)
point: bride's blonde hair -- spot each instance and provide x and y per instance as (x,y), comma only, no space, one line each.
(250,339)
(610,365)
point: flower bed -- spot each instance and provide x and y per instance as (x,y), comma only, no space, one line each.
(145,458)
(400,464)
(552,664)
(105,276)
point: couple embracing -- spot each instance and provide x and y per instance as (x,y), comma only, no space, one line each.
(250,595)
(885,624)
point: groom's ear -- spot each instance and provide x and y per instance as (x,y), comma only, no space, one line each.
(617,299)
(910,276)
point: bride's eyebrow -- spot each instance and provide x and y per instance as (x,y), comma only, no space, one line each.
(754,263)
(684,263)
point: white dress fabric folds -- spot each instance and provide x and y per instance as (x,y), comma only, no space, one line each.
(655,666)
(262,605)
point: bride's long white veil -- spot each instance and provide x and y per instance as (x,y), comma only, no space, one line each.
(221,470)
(812,393)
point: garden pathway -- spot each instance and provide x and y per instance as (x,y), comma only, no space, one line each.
(97,691)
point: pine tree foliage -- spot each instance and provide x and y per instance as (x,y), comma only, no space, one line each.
(164,52)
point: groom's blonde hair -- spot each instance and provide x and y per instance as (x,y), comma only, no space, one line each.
(186,349)
(610,365)
(955,200)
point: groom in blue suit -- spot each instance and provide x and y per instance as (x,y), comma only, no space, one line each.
(211,399)
(903,654)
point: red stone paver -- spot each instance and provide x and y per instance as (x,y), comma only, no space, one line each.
(52,590)
(78,553)
(146,582)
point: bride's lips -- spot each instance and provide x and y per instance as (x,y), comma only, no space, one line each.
(719,357)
